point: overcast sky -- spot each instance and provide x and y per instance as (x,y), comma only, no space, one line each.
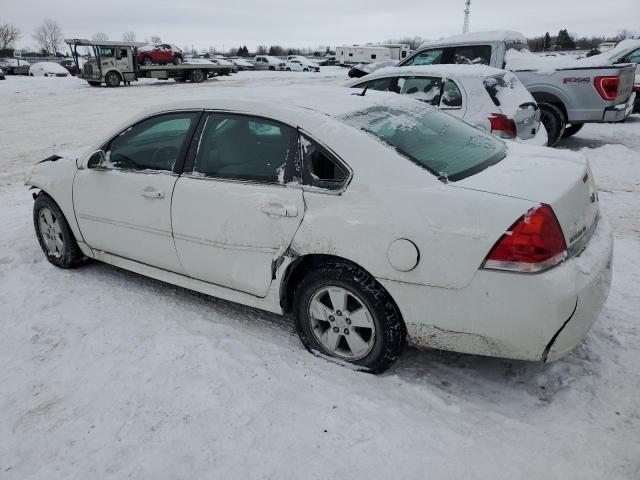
(205,23)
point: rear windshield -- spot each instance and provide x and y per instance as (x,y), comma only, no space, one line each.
(507,92)
(445,146)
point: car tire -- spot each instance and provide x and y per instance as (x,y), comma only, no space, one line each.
(94,84)
(378,344)
(572,129)
(112,79)
(305,69)
(54,234)
(147,61)
(288,69)
(177,60)
(272,68)
(553,120)
(198,76)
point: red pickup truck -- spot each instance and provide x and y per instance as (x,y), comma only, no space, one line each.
(160,54)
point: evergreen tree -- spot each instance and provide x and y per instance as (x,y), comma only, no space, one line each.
(547,41)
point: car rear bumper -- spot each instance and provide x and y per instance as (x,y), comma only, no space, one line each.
(520,316)
(621,111)
(541,138)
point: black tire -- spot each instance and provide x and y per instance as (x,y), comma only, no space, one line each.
(390,331)
(180,79)
(553,120)
(94,84)
(572,129)
(288,69)
(69,255)
(177,60)
(198,76)
(112,79)
(147,60)
(272,68)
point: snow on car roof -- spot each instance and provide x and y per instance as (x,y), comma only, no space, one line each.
(477,37)
(451,71)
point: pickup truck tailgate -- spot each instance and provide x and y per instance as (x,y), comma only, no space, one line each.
(627,76)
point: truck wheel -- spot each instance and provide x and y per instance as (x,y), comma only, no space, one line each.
(198,76)
(177,60)
(572,129)
(180,79)
(272,68)
(343,312)
(112,79)
(94,84)
(553,120)
(147,61)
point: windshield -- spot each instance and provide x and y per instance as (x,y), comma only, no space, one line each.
(445,146)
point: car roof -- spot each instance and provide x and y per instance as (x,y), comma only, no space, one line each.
(449,71)
(508,36)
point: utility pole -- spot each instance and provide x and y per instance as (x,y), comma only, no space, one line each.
(467,12)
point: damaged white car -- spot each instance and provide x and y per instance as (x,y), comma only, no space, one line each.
(372,219)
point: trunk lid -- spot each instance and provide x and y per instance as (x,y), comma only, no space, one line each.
(562,180)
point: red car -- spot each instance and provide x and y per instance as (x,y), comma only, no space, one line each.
(70,65)
(160,53)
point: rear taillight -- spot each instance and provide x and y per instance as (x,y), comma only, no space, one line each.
(607,87)
(503,126)
(533,244)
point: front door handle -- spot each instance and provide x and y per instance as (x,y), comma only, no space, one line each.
(151,192)
(280,210)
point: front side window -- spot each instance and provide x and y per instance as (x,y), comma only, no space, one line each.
(241,147)
(107,52)
(321,169)
(380,84)
(426,57)
(425,89)
(448,148)
(152,144)
(473,54)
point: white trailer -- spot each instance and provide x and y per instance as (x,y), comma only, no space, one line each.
(353,54)
(399,51)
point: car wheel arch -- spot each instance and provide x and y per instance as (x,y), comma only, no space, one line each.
(296,270)
(544,97)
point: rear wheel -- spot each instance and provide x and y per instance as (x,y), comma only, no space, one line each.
(554,121)
(177,60)
(572,129)
(94,84)
(288,69)
(198,76)
(343,312)
(147,61)
(54,234)
(112,79)
(272,68)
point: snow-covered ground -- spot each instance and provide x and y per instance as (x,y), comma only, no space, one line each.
(107,374)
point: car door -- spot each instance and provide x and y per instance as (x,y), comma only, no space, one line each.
(234,211)
(122,199)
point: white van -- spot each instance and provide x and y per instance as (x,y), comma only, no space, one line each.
(267,62)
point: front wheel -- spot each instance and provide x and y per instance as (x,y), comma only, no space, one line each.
(343,312)
(177,60)
(553,120)
(288,69)
(112,79)
(572,129)
(54,234)
(147,61)
(198,76)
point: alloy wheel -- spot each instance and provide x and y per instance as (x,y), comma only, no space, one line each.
(51,232)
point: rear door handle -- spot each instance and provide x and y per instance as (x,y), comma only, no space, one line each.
(279,209)
(150,192)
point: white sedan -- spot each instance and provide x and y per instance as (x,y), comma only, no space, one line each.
(488,98)
(301,64)
(371,219)
(48,69)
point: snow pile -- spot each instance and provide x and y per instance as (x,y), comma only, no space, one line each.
(508,36)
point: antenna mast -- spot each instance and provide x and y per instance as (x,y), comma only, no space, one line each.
(467,12)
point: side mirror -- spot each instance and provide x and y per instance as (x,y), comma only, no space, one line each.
(97,160)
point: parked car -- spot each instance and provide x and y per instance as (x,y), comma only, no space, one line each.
(267,62)
(569,92)
(2,75)
(13,67)
(48,69)
(243,64)
(71,66)
(370,218)
(225,62)
(301,65)
(362,69)
(328,61)
(161,54)
(490,99)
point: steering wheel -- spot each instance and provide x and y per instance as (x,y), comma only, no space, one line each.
(165,156)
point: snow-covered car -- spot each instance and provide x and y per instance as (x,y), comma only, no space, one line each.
(362,69)
(14,67)
(370,218)
(299,65)
(243,64)
(485,97)
(48,69)
(267,62)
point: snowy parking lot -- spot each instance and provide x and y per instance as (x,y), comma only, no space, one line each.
(108,374)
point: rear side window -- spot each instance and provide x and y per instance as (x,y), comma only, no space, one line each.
(472,54)
(426,57)
(245,148)
(381,84)
(321,168)
(506,92)
(451,96)
(425,89)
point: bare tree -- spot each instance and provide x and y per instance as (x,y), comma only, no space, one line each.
(155,39)
(100,37)
(129,36)
(48,36)
(9,34)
